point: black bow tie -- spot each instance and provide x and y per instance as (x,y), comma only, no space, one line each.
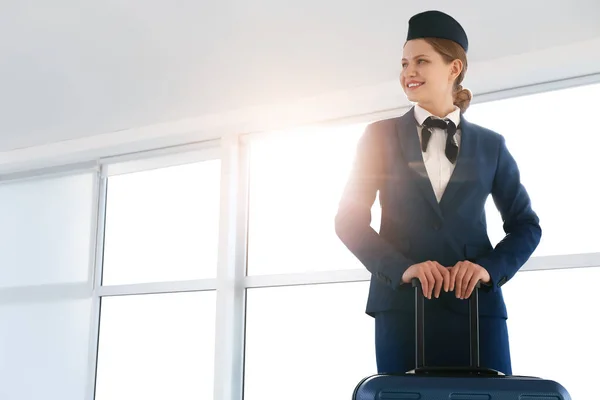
(445,124)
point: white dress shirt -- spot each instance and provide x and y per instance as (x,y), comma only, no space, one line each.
(439,168)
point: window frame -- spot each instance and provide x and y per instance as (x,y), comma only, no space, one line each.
(231,282)
(130,163)
(234,376)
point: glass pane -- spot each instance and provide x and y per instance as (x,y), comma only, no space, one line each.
(162,224)
(317,334)
(296,183)
(553,327)
(557,155)
(45,230)
(156,347)
(44,350)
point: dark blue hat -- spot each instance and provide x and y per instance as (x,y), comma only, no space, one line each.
(436,24)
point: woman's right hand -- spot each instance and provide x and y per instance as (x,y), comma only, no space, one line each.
(432,276)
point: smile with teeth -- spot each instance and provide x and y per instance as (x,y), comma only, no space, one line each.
(414,84)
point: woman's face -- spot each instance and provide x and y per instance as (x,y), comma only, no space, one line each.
(426,77)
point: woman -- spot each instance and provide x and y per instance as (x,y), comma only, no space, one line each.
(434,171)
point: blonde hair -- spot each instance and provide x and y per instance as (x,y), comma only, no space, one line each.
(450,51)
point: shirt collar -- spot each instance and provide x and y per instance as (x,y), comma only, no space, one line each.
(421,115)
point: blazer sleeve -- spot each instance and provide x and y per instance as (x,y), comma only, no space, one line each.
(520,222)
(353,218)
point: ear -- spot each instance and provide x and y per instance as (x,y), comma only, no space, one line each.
(456,67)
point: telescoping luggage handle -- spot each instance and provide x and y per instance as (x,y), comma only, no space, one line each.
(475,367)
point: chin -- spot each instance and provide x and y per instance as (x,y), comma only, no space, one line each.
(412,97)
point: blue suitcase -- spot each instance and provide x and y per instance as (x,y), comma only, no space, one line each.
(469,383)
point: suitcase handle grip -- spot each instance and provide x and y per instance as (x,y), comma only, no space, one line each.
(473,333)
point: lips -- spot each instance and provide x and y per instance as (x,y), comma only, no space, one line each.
(412,85)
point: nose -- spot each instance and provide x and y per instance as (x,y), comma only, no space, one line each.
(409,71)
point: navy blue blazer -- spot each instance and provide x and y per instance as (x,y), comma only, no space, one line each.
(416,228)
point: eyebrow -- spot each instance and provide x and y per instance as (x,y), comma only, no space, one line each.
(419,56)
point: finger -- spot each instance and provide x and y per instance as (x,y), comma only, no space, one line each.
(453,271)
(445,272)
(424,283)
(459,280)
(439,280)
(472,274)
(471,286)
(453,274)
(430,282)
(465,281)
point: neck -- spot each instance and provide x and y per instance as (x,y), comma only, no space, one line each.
(439,110)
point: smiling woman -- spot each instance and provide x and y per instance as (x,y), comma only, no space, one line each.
(426,166)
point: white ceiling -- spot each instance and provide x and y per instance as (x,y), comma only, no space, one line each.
(73,68)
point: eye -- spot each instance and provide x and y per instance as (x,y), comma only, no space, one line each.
(421,61)
(404,65)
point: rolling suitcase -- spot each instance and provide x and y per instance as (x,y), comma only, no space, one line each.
(460,383)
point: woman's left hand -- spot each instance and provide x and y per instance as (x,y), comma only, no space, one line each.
(464,276)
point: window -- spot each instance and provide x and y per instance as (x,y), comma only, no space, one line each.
(555,146)
(553,327)
(45,233)
(315,333)
(296,182)
(156,347)
(162,224)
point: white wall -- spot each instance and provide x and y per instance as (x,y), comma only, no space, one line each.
(76,69)
(47,237)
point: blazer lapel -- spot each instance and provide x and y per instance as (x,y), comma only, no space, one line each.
(406,128)
(465,168)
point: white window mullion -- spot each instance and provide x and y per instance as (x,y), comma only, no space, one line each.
(307,278)
(565,261)
(196,285)
(229,342)
(160,158)
(96,279)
